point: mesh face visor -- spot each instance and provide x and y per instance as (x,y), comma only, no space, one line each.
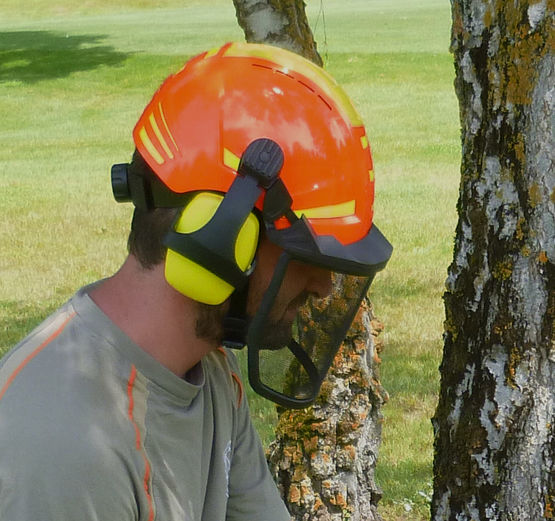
(290,349)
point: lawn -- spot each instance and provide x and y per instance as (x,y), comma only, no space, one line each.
(74,77)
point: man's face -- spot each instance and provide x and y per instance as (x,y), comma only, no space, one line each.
(300,282)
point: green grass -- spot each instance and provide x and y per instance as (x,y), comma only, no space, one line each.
(74,77)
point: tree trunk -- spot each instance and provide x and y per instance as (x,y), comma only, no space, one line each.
(323,458)
(495,421)
(278,22)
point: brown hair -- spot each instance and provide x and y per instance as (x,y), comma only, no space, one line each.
(148,227)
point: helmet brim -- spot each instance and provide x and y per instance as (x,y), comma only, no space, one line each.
(364,257)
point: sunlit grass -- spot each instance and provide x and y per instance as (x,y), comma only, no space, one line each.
(74,77)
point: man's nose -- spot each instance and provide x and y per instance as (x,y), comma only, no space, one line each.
(320,282)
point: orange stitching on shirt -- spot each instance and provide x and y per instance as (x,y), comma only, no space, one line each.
(130,384)
(237,380)
(138,444)
(34,353)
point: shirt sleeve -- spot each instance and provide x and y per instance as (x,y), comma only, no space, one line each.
(62,480)
(253,495)
(62,458)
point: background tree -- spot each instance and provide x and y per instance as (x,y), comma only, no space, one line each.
(323,458)
(495,422)
(278,22)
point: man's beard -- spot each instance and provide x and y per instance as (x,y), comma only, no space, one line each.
(209,325)
(278,332)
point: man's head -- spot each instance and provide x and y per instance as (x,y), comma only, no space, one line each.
(149,228)
(261,168)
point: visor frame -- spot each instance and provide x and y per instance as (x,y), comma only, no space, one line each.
(316,375)
(364,257)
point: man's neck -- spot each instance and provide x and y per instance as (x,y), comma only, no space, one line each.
(155,316)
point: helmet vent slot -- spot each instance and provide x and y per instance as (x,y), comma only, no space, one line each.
(258,65)
(325,102)
(305,85)
(284,73)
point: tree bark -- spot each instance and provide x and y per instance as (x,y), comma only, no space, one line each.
(282,23)
(495,421)
(324,457)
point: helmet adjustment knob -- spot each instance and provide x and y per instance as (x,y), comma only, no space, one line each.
(262,160)
(120,183)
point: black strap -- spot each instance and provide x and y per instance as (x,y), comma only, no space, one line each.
(236,321)
(222,266)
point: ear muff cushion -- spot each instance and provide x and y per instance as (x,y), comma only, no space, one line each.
(190,278)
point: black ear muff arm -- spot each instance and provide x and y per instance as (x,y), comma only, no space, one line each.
(191,246)
(263,160)
(213,245)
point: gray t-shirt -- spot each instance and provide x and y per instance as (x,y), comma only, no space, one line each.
(93,428)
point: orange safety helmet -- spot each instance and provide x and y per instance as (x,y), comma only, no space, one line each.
(250,134)
(202,119)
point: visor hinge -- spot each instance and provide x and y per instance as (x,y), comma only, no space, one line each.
(277,203)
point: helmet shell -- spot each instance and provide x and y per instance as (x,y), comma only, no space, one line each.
(201,120)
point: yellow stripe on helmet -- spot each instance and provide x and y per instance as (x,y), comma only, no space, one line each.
(159,136)
(345,209)
(231,160)
(166,125)
(151,149)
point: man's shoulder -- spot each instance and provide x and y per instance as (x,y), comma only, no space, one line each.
(54,351)
(64,420)
(56,384)
(22,358)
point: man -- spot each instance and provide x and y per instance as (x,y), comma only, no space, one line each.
(252,183)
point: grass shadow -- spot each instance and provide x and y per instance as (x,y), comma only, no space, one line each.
(33,56)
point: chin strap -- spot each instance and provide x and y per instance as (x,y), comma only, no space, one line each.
(236,322)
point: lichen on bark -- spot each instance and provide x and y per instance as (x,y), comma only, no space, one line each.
(495,422)
(323,458)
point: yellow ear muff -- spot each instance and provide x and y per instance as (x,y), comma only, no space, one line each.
(190,278)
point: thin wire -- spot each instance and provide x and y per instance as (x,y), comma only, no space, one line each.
(322,13)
